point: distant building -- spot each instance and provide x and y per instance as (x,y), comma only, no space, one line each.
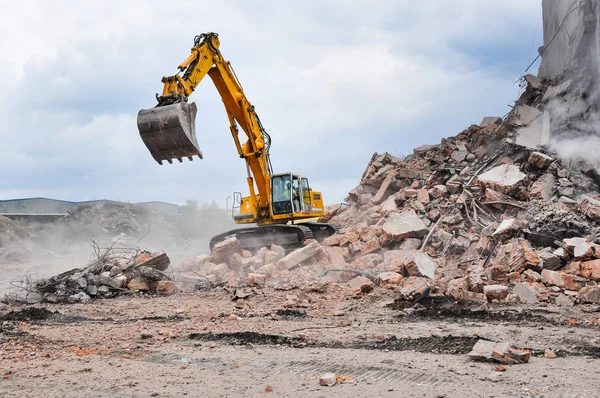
(51,208)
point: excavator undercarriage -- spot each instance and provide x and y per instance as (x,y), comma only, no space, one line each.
(289,236)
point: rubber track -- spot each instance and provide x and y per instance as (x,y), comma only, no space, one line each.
(265,236)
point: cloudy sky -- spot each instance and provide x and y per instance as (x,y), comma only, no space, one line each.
(333,81)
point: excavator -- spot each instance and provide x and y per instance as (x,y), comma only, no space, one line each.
(276,202)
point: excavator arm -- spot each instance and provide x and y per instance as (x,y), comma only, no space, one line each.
(168,130)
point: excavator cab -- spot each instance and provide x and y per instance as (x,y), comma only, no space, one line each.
(169,131)
(290,194)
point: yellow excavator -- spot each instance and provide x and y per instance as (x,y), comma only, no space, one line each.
(276,201)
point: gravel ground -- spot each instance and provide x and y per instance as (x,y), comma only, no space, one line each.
(203,345)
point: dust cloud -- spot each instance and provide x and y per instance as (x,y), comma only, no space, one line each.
(34,249)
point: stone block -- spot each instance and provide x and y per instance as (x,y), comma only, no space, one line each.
(298,256)
(222,251)
(404,225)
(361,284)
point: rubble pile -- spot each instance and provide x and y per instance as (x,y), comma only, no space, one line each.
(229,264)
(491,214)
(112,273)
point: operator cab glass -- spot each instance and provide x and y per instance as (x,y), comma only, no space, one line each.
(282,194)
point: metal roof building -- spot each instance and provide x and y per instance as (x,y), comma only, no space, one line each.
(47,207)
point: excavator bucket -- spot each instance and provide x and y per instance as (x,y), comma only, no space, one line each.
(169,132)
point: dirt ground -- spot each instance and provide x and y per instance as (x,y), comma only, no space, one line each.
(208,345)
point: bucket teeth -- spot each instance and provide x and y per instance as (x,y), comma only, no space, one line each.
(169,132)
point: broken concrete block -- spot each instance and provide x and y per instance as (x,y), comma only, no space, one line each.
(550,260)
(459,156)
(454,184)
(495,292)
(497,272)
(579,248)
(328,379)
(423,196)
(438,192)
(565,281)
(490,120)
(367,262)
(138,285)
(531,276)
(566,192)
(533,127)
(384,190)
(410,173)
(539,160)
(361,284)
(333,240)
(590,295)
(404,225)
(525,293)
(396,259)
(157,260)
(519,256)
(482,350)
(543,187)
(222,251)
(533,81)
(295,258)
(414,289)
(590,207)
(371,246)
(257,279)
(421,265)
(506,179)
(165,288)
(388,278)
(507,229)
(590,270)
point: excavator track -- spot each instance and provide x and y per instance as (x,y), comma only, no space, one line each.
(290,237)
(321,230)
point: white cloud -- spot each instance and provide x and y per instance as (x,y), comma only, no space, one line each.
(333,81)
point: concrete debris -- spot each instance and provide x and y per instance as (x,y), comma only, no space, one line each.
(112,273)
(590,207)
(328,380)
(421,265)
(532,127)
(498,352)
(490,120)
(360,284)
(506,178)
(495,292)
(404,225)
(540,160)
(298,256)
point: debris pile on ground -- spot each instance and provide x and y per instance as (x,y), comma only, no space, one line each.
(113,272)
(491,214)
